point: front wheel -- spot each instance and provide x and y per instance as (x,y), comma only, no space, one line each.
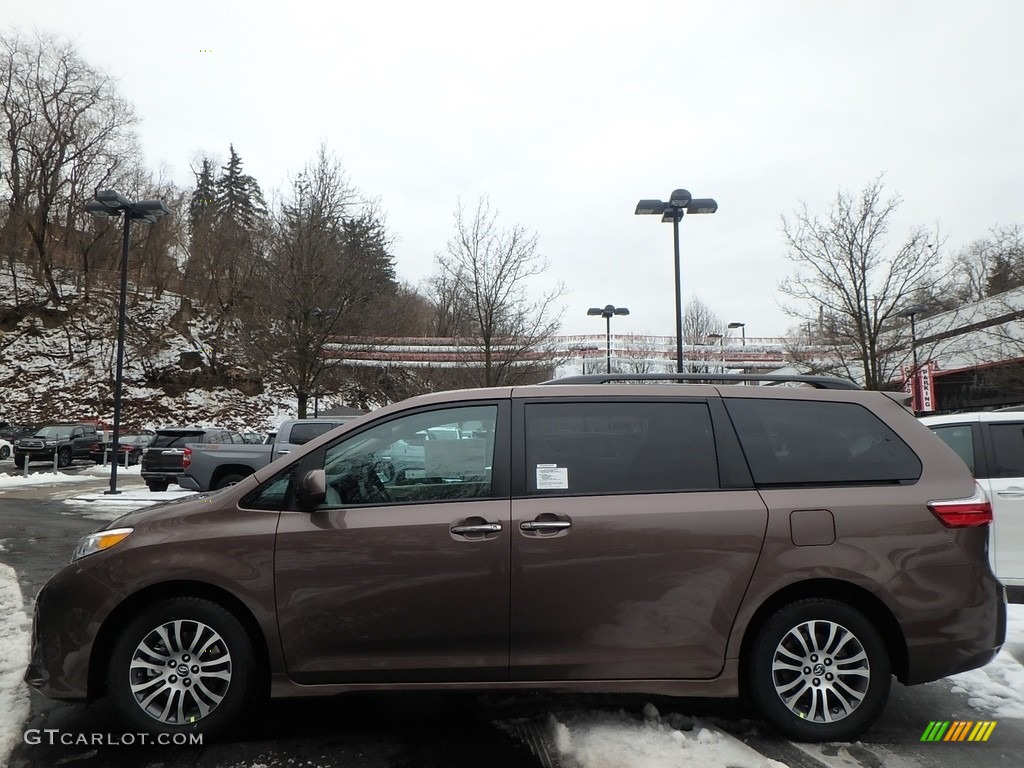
(5,452)
(185,664)
(64,457)
(819,671)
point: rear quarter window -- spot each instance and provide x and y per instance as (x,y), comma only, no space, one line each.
(303,433)
(959,437)
(811,442)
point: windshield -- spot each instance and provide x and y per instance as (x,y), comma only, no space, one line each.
(51,432)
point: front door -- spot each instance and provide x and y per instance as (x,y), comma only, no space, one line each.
(402,575)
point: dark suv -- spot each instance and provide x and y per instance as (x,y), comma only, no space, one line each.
(162,460)
(798,544)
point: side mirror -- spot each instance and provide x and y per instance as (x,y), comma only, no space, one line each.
(311,490)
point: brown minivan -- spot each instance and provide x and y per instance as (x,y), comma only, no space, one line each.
(797,544)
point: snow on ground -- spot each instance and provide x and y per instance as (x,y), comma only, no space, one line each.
(997,690)
(14,648)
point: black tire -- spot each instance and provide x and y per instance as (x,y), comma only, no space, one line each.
(157,682)
(831,664)
(227,480)
(64,457)
(157,486)
(5,452)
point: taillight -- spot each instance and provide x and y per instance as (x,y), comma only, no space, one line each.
(186,459)
(964,513)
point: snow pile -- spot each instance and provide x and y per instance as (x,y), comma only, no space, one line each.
(615,740)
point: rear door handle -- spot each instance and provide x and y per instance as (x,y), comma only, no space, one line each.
(1011,493)
(545,525)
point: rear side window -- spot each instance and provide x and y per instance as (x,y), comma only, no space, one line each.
(1008,449)
(303,433)
(605,448)
(809,442)
(959,437)
(176,438)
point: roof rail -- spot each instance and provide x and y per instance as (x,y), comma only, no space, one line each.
(818,382)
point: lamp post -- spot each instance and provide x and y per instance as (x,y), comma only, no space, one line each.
(607,311)
(109,203)
(743,331)
(912,312)
(678,203)
(720,339)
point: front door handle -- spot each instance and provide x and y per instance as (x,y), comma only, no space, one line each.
(1011,493)
(462,530)
(545,525)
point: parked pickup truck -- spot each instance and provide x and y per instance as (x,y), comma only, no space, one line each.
(62,443)
(210,466)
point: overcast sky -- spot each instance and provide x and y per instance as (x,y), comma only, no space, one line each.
(566,113)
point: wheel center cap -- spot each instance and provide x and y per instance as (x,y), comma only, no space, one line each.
(819,669)
(182,669)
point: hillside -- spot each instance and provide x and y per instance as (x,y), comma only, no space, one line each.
(58,364)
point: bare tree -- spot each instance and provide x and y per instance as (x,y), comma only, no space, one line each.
(482,291)
(851,288)
(641,355)
(699,322)
(66,133)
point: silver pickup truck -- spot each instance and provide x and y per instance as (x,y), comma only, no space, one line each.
(210,466)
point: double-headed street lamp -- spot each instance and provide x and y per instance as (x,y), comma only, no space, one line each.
(112,204)
(607,312)
(679,203)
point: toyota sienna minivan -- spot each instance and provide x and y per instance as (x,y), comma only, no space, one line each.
(800,545)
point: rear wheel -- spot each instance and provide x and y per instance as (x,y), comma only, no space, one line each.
(157,485)
(5,452)
(819,671)
(185,664)
(227,480)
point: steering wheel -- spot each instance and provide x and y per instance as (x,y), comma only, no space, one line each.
(375,490)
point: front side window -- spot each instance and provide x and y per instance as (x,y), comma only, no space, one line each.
(1008,449)
(608,448)
(427,456)
(808,442)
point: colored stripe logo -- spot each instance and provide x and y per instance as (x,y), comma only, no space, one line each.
(958,730)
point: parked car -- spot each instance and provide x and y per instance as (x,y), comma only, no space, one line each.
(11,432)
(207,467)
(5,449)
(802,545)
(162,460)
(130,449)
(991,443)
(60,443)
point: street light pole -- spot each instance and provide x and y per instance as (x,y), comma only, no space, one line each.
(109,203)
(912,312)
(607,311)
(679,202)
(743,331)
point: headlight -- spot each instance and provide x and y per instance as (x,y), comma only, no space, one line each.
(51,442)
(99,541)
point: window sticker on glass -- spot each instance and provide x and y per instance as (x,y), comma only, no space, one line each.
(552,477)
